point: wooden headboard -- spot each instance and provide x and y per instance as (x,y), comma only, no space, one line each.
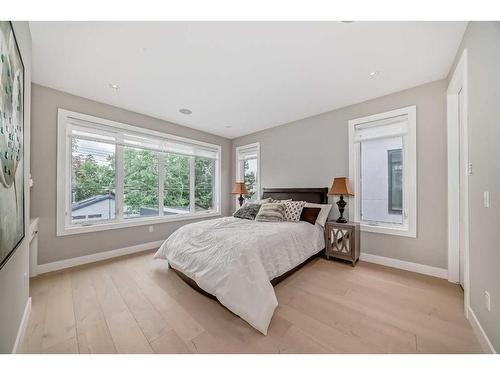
(312,195)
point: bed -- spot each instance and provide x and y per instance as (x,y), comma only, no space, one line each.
(238,261)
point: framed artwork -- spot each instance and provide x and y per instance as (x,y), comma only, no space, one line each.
(11,144)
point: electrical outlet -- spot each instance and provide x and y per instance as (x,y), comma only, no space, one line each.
(151,229)
(487,300)
(486,199)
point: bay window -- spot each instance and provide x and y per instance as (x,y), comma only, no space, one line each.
(113,175)
(382,166)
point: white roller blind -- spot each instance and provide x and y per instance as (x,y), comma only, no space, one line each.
(91,131)
(390,127)
(247,153)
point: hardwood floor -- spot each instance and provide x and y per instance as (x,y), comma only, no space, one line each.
(136,305)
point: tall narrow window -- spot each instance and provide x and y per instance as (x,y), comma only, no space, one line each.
(176,185)
(114,175)
(247,169)
(204,173)
(92,181)
(383,171)
(140,183)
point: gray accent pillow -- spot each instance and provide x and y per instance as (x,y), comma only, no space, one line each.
(280,200)
(264,200)
(248,211)
(271,212)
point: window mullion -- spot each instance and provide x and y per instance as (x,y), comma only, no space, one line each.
(119,172)
(161,182)
(191,185)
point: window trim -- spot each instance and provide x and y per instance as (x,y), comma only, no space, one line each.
(64,227)
(238,176)
(410,177)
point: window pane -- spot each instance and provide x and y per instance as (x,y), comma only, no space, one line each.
(204,172)
(140,183)
(250,167)
(92,181)
(176,185)
(382,180)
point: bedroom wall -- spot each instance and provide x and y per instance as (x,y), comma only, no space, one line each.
(482,40)
(312,151)
(14,281)
(46,101)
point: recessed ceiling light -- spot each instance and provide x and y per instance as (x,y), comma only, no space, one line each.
(114,86)
(185,111)
(373,74)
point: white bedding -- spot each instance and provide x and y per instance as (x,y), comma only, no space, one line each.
(234,259)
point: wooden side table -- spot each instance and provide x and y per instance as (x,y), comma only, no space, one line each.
(342,241)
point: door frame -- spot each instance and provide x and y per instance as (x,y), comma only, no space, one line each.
(458,83)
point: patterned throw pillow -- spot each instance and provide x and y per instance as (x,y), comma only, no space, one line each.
(248,211)
(271,212)
(293,209)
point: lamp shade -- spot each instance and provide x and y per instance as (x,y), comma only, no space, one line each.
(239,188)
(340,186)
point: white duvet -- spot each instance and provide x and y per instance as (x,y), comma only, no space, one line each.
(235,259)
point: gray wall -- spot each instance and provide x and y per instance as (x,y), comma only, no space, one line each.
(312,151)
(14,282)
(43,158)
(482,40)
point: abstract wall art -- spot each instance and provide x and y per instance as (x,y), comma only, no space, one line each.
(11,144)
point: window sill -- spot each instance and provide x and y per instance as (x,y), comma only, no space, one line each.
(97,227)
(404,232)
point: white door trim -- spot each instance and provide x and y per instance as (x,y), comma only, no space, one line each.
(458,83)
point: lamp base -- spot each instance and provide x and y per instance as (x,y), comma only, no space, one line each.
(241,199)
(341,203)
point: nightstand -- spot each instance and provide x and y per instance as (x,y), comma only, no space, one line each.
(342,241)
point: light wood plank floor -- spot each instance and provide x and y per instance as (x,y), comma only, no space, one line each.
(136,305)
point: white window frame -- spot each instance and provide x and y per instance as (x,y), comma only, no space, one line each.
(64,226)
(239,177)
(409,227)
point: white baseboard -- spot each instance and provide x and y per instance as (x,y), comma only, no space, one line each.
(66,263)
(408,266)
(479,331)
(22,327)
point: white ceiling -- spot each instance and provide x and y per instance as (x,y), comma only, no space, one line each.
(247,75)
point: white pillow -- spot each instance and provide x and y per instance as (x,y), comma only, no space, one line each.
(323,214)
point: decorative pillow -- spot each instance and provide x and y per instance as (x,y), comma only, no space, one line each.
(271,212)
(323,214)
(293,209)
(248,211)
(310,214)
